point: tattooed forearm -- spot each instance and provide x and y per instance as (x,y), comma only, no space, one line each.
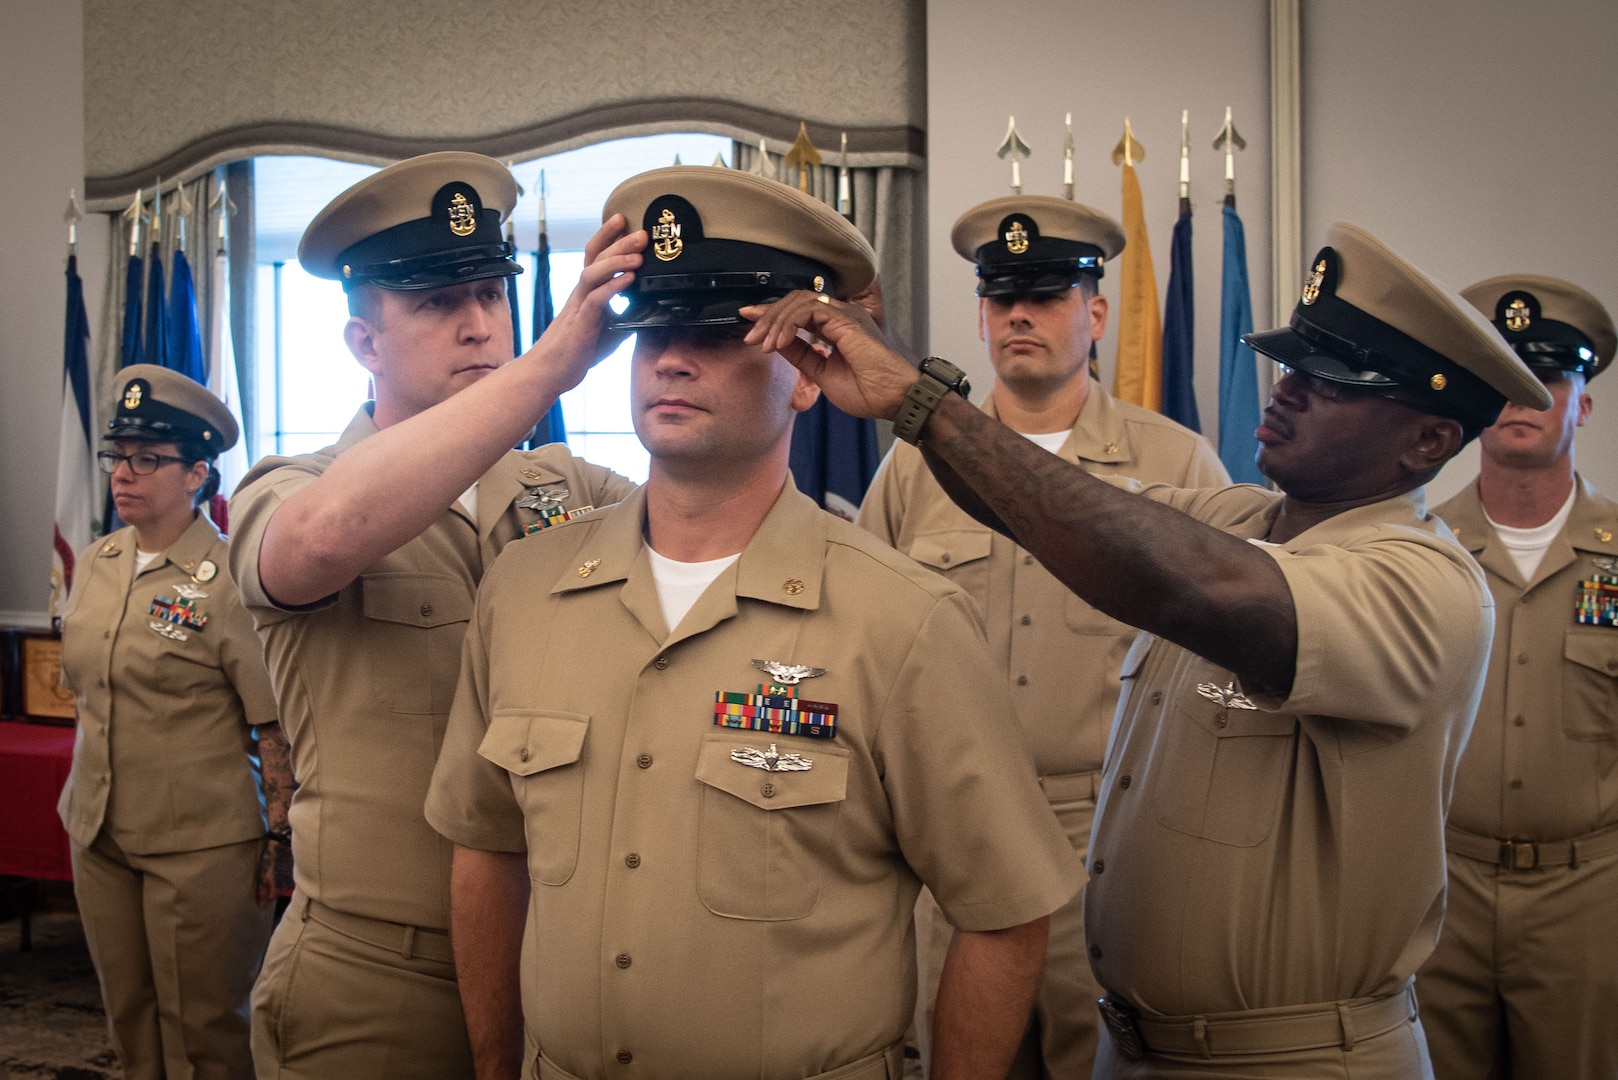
(1136,560)
(275,761)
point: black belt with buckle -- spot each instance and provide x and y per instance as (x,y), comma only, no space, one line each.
(1122,1020)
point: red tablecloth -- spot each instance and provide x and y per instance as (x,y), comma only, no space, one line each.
(34,762)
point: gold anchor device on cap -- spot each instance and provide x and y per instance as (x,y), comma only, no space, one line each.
(158,404)
(1035,243)
(719,240)
(1553,324)
(424,223)
(1369,319)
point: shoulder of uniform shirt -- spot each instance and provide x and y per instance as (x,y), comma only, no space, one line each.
(878,558)
(315,462)
(1162,428)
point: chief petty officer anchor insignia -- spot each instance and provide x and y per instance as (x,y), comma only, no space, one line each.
(776,708)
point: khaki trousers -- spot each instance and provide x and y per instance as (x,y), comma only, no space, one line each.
(176,940)
(1400,1054)
(1063,1032)
(335,1006)
(1524,981)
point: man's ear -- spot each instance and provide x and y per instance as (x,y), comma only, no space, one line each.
(1098,316)
(1437,439)
(983,319)
(360,337)
(804,393)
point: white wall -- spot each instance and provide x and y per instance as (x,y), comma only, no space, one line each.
(42,131)
(1101,60)
(1477,138)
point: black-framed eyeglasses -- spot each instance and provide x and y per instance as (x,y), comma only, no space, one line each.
(1331,390)
(141,464)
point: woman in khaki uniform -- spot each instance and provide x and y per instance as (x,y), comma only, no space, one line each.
(177,815)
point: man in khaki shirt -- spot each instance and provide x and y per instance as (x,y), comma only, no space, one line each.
(1267,865)
(1524,982)
(1039,261)
(708,743)
(359,563)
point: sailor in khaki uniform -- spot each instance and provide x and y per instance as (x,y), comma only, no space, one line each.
(174,872)
(1039,261)
(713,739)
(1267,867)
(359,563)
(1524,982)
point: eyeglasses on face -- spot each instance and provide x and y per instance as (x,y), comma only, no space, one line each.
(1330,390)
(142,464)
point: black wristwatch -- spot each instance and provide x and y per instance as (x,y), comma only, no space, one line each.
(936,378)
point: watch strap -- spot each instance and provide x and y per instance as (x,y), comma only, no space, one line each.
(925,394)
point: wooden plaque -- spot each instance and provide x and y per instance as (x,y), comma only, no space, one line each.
(43,694)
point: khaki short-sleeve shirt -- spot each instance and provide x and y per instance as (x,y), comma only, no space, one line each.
(1251,852)
(707,917)
(1539,765)
(365,678)
(1059,655)
(169,679)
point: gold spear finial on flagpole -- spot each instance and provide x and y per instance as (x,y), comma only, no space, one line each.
(803,155)
(1129,150)
(1013,147)
(1229,141)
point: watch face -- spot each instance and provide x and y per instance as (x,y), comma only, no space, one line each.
(947,373)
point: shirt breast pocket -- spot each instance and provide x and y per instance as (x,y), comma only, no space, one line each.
(414,625)
(764,838)
(962,555)
(1590,684)
(541,751)
(1224,769)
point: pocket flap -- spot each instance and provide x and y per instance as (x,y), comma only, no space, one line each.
(423,600)
(825,781)
(1595,648)
(524,742)
(942,550)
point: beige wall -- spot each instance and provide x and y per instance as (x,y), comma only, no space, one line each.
(1477,137)
(1147,59)
(42,133)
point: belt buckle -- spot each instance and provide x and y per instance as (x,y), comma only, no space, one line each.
(1120,1017)
(1519,854)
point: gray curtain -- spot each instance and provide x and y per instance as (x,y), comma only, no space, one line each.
(883,208)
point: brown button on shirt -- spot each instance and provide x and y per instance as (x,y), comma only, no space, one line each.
(1292,851)
(365,678)
(1539,765)
(1060,655)
(766,915)
(162,758)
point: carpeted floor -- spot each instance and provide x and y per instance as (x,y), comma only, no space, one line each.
(51,1023)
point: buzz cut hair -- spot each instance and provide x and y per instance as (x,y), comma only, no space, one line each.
(365,302)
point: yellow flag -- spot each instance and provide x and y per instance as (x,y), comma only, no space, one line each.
(1138,376)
